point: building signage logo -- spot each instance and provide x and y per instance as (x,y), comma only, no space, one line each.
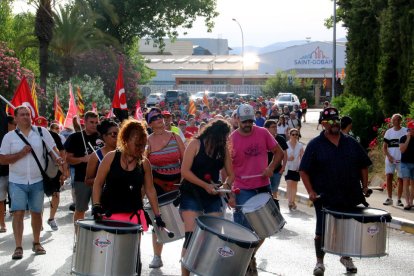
(316,57)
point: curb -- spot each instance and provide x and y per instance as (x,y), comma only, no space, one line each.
(396,223)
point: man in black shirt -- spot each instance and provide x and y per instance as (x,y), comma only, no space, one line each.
(334,170)
(78,152)
(407,164)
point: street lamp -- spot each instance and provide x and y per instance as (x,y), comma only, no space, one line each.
(241,30)
(334,50)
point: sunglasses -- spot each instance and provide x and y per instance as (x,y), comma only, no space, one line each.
(113,134)
(331,122)
(294,134)
(156,117)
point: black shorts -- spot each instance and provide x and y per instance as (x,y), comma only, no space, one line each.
(292,175)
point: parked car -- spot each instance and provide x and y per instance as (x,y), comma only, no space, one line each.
(225,95)
(155,98)
(172,96)
(246,97)
(288,99)
(200,95)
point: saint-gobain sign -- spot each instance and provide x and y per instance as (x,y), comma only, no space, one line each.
(316,57)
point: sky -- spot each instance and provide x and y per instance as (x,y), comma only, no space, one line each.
(263,21)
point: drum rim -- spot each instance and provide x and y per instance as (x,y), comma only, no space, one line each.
(132,229)
(147,205)
(384,212)
(364,218)
(258,207)
(241,243)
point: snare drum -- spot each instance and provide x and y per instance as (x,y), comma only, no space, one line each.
(219,247)
(171,217)
(359,232)
(106,248)
(263,215)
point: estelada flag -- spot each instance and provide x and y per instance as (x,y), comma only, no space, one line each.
(80,103)
(72,110)
(191,107)
(205,100)
(57,108)
(119,100)
(34,96)
(138,111)
(23,96)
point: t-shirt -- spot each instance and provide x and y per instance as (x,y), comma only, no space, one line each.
(249,157)
(293,165)
(282,143)
(190,131)
(392,139)
(259,121)
(408,155)
(74,144)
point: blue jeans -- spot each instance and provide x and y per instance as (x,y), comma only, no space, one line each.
(275,181)
(23,195)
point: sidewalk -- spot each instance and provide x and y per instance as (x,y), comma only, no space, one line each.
(401,219)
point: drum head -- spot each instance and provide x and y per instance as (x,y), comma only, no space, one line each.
(111,226)
(228,231)
(164,199)
(361,214)
(255,202)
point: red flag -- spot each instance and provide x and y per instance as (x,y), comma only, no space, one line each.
(119,100)
(23,96)
(59,115)
(72,110)
(138,112)
(94,107)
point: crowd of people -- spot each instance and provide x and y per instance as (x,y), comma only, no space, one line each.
(247,146)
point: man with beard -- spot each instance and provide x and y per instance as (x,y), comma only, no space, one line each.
(250,145)
(334,170)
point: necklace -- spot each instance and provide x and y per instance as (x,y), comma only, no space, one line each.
(128,161)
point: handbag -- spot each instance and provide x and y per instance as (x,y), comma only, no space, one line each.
(48,186)
(51,168)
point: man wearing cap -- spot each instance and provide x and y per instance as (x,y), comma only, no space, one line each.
(250,145)
(334,170)
(25,177)
(407,164)
(170,126)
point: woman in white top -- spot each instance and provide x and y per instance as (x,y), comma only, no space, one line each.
(282,126)
(294,155)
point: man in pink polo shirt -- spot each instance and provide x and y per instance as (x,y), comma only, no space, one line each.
(250,145)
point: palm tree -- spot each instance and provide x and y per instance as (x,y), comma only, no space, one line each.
(44,33)
(74,34)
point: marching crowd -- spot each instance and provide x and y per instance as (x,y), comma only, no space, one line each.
(233,144)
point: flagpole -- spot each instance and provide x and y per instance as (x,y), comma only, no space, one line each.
(7,102)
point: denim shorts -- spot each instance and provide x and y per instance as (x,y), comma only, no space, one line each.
(83,194)
(407,170)
(241,199)
(23,195)
(4,184)
(201,204)
(390,168)
(275,182)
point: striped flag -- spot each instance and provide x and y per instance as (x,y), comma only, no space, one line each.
(191,107)
(34,97)
(80,103)
(72,109)
(57,108)
(205,100)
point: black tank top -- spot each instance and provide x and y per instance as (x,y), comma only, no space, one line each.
(122,190)
(203,165)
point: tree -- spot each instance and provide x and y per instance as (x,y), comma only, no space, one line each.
(74,35)
(128,19)
(44,33)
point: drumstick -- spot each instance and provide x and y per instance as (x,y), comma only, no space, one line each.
(250,176)
(170,234)
(235,191)
(89,143)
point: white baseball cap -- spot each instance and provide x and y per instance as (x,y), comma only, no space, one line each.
(245,112)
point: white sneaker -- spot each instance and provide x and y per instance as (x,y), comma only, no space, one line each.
(388,201)
(52,223)
(156,262)
(349,264)
(319,269)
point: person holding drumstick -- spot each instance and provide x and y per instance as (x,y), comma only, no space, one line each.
(249,147)
(165,153)
(204,157)
(334,170)
(121,176)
